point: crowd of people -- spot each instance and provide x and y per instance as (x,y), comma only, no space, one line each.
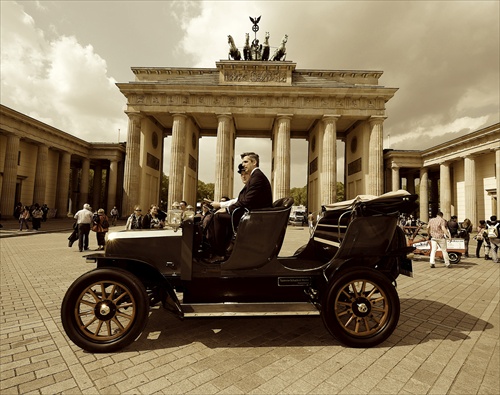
(486,235)
(36,214)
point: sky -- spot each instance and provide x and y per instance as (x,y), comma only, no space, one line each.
(60,60)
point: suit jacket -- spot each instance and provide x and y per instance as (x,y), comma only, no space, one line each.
(255,194)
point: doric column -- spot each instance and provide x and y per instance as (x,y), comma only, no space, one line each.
(470,189)
(112,182)
(223,158)
(42,160)
(424,195)
(329,160)
(63,184)
(84,183)
(445,190)
(177,159)
(73,203)
(395,177)
(7,202)
(434,195)
(497,172)
(132,173)
(410,183)
(281,187)
(375,159)
(96,199)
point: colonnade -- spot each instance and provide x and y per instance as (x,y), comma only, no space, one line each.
(459,178)
(41,164)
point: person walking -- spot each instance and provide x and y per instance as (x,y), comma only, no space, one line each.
(100,227)
(114,215)
(23,218)
(83,221)
(481,232)
(37,215)
(465,229)
(494,236)
(438,231)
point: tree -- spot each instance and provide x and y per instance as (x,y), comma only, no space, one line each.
(164,192)
(205,191)
(299,196)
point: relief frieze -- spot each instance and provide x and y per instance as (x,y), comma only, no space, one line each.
(305,102)
(255,76)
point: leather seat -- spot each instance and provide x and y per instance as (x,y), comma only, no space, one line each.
(260,236)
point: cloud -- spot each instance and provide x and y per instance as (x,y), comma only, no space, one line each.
(443,56)
(59,81)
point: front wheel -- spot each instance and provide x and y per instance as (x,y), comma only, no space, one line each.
(454,256)
(361,308)
(105,310)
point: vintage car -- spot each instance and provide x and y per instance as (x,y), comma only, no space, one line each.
(346,273)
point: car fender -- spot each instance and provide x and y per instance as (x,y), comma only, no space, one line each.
(148,274)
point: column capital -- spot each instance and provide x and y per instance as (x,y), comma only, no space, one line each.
(179,114)
(286,116)
(376,119)
(132,115)
(330,118)
(225,115)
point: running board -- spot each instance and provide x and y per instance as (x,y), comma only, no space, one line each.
(248,309)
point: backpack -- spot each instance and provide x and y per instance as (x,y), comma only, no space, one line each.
(95,219)
(493,231)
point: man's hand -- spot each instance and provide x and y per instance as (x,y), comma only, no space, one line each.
(215,205)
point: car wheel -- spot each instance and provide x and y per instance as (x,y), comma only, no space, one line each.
(454,257)
(361,308)
(105,310)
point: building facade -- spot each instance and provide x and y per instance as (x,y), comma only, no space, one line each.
(460,177)
(260,99)
(44,165)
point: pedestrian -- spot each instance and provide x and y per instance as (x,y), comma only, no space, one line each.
(18,210)
(45,210)
(37,215)
(84,222)
(494,236)
(23,218)
(100,225)
(114,215)
(480,236)
(464,233)
(134,221)
(438,231)
(453,226)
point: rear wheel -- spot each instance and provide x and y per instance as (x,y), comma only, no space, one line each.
(105,310)
(454,256)
(361,308)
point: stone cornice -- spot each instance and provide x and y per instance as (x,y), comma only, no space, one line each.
(263,73)
(475,143)
(346,102)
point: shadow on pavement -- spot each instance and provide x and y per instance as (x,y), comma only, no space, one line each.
(164,330)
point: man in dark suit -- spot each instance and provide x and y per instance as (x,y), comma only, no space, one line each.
(255,194)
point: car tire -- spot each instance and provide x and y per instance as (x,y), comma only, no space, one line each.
(361,308)
(454,257)
(105,310)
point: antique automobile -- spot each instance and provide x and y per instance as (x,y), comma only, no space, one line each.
(346,273)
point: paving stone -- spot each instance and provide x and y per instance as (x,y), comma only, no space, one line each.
(447,340)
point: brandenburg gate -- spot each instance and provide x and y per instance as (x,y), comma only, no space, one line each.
(259,97)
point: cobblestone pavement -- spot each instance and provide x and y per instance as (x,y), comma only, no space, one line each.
(447,340)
